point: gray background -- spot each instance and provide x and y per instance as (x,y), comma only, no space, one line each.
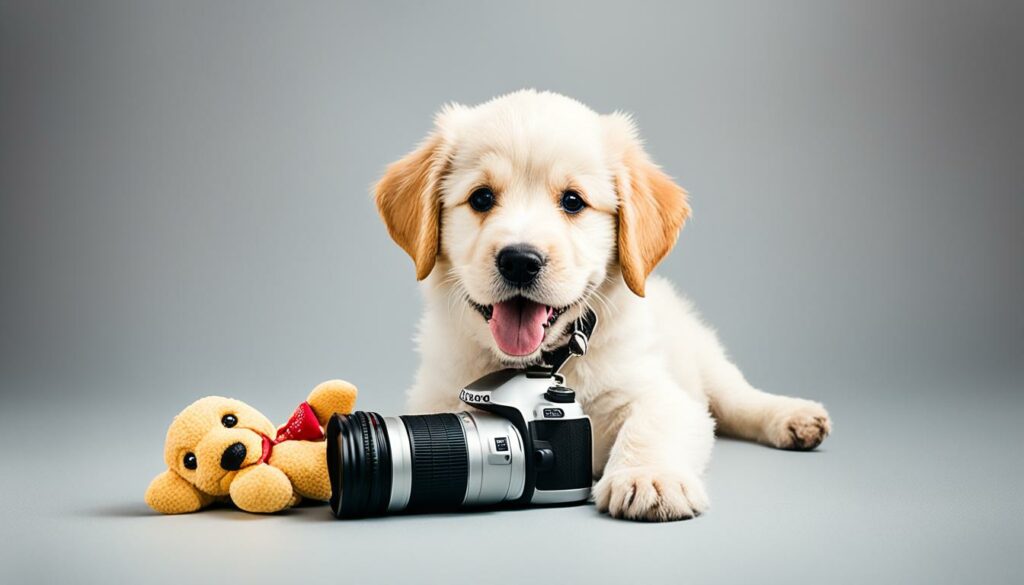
(184,207)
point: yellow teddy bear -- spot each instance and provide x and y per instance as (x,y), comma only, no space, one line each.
(221,448)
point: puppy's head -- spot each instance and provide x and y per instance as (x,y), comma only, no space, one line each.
(212,439)
(524,208)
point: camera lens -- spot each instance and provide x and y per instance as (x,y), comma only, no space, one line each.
(359,464)
(431,462)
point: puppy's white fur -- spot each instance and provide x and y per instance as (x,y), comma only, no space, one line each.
(655,378)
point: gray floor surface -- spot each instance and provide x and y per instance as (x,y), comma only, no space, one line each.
(917,486)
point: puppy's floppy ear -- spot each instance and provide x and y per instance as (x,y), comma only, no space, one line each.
(409,199)
(169,493)
(652,208)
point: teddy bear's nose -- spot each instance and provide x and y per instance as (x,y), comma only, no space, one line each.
(233,457)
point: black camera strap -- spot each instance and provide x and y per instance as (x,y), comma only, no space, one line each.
(579,338)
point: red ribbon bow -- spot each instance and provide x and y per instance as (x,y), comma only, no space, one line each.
(302,426)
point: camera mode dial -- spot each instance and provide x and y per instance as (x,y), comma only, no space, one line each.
(560,395)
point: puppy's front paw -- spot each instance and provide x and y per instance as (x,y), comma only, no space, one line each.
(650,494)
(801,426)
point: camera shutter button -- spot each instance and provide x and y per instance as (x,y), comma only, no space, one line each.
(560,395)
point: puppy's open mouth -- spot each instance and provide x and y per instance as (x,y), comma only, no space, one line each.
(519,324)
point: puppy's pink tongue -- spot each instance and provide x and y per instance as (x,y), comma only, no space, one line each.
(518,325)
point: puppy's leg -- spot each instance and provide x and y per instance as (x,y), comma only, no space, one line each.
(748,413)
(655,467)
(697,360)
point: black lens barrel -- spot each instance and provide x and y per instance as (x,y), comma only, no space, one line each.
(440,461)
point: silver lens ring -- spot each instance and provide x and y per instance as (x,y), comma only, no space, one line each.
(401,464)
(497,466)
(474,457)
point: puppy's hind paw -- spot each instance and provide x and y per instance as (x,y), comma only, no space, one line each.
(650,494)
(801,426)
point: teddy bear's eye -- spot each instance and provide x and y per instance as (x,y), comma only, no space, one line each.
(229,420)
(190,461)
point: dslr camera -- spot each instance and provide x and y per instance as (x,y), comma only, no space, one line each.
(525,442)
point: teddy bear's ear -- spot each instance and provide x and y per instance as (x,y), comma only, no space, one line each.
(330,397)
(169,493)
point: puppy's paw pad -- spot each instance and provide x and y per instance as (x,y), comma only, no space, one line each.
(650,494)
(802,427)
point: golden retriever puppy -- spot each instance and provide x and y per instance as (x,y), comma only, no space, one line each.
(521,213)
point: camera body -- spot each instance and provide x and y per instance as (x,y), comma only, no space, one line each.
(554,433)
(524,441)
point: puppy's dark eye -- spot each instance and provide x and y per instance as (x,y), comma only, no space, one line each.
(482,199)
(229,420)
(572,202)
(190,461)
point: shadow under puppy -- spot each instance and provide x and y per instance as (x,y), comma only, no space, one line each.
(222,449)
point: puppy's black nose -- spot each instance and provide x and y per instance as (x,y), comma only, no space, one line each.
(519,264)
(233,457)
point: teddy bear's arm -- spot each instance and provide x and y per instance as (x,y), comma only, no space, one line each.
(169,493)
(330,397)
(262,488)
(305,464)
